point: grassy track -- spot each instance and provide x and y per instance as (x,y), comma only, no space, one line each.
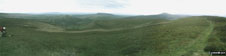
(52,28)
(196,48)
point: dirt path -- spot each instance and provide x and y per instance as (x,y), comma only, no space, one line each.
(118,29)
(51,28)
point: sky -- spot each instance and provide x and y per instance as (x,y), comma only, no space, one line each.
(138,7)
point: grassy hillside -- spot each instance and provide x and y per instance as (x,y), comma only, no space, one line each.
(178,37)
(93,21)
(105,22)
(217,41)
(190,36)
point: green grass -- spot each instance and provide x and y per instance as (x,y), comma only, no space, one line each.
(217,40)
(187,36)
(73,23)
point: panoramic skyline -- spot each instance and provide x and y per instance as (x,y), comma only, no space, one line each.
(137,7)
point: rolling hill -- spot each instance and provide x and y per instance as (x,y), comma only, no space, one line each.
(152,35)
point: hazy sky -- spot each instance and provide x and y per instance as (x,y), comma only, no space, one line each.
(205,7)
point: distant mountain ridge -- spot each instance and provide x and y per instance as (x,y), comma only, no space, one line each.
(94,16)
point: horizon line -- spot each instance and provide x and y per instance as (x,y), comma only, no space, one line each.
(104,12)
